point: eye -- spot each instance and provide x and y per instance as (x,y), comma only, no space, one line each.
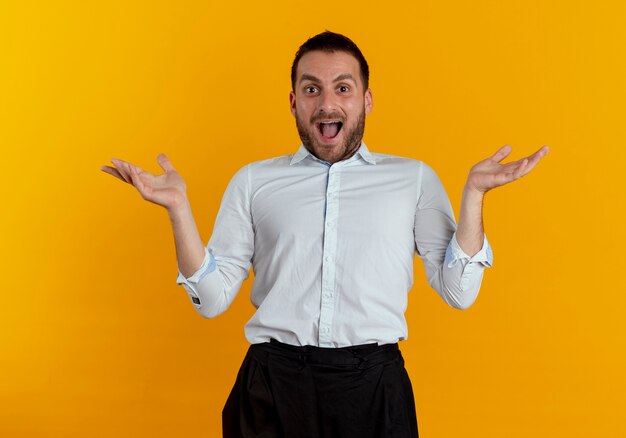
(310,89)
(344,88)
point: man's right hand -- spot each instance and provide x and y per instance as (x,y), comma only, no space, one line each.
(168,189)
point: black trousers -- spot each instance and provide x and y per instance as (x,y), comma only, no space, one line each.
(284,391)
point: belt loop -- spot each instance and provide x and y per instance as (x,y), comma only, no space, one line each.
(362,360)
(302,359)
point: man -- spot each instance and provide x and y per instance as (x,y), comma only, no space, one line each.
(331,232)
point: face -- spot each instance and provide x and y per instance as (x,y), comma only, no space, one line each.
(330,104)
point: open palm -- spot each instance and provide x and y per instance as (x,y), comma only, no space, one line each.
(167,189)
(490,173)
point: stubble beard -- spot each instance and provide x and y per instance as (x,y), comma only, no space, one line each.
(351,143)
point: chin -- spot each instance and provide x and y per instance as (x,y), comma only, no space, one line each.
(350,138)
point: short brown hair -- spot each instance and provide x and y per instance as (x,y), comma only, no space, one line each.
(331,42)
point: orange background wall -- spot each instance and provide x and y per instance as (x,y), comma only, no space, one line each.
(97,340)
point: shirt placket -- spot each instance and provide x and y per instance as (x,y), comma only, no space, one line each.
(329,257)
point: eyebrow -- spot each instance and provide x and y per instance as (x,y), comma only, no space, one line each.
(339,78)
(345,76)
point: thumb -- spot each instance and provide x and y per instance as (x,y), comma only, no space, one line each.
(164,162)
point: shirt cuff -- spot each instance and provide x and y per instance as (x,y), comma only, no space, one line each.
(454,253)
(208,265)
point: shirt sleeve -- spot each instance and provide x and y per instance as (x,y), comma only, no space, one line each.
(228,255)
(453,274)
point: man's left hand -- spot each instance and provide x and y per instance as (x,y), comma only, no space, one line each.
(490,173)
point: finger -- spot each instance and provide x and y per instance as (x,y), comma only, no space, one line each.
(121,168)
(544,150)
(112,171)
(503,178)
(165,162)
(130,170)
(541,152)
(512,166)
(133,174)
(521,169)
(502,153)
(136,180)
(534,159)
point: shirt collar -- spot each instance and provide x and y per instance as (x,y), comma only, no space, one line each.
(302,153)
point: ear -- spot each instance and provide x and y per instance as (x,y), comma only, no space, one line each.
(369,101)
(292,103)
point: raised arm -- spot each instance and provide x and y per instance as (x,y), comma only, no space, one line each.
(167,190)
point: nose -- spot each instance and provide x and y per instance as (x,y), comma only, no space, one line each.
(327,102)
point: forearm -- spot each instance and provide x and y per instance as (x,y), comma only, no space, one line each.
(189,246)
(460,279)
(470,232)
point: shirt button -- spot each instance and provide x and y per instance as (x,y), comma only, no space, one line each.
(328,258)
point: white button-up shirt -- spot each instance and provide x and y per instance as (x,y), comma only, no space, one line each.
(332,248)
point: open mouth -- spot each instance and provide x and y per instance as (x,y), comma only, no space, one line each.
(329,130)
